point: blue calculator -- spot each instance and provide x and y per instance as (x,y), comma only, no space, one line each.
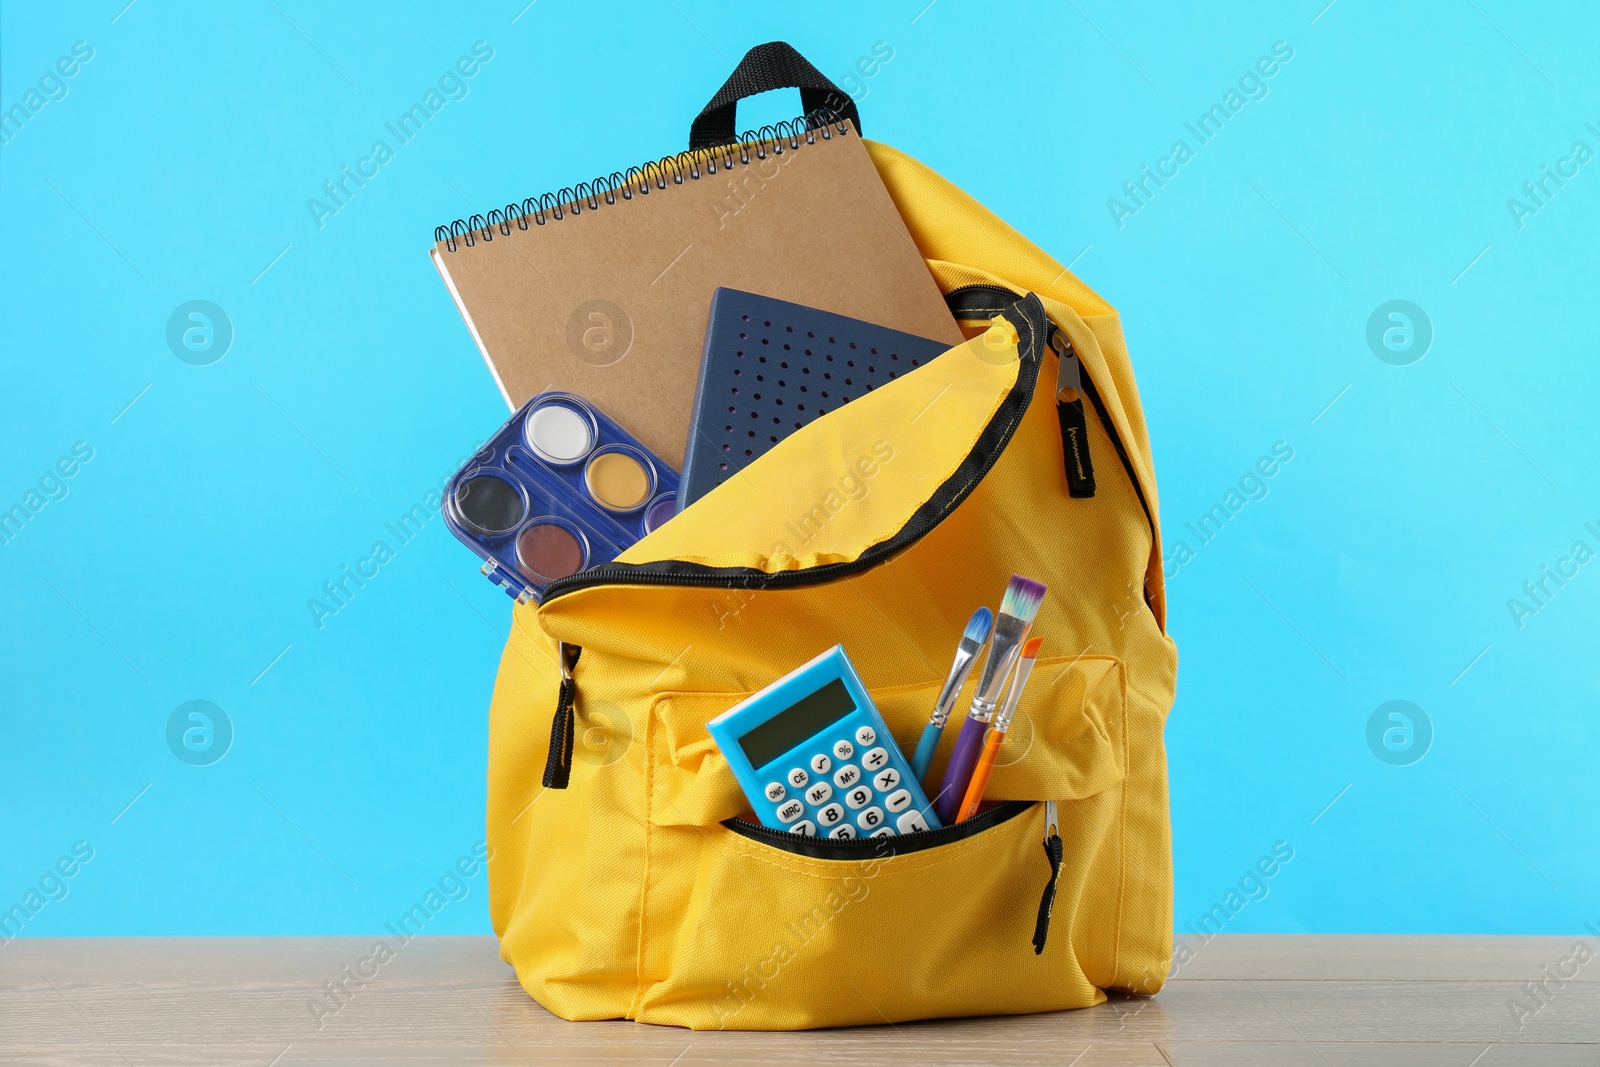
(814,756)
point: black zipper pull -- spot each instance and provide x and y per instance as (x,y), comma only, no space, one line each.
(558,763)
(1069,411)
(1047,903)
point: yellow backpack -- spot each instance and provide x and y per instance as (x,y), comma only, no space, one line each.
(623,882)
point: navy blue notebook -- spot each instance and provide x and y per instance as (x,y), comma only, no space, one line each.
(769,368)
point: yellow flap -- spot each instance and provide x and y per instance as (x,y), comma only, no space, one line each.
(794,507)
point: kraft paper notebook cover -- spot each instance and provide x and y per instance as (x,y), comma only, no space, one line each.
(606,296)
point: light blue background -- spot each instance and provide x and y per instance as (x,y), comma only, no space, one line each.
(179,565)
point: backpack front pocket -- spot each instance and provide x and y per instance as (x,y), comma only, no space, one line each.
(773,934)
(772,930)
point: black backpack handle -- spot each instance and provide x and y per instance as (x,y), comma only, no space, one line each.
(774,65)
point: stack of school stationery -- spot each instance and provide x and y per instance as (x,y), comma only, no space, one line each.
(627,309)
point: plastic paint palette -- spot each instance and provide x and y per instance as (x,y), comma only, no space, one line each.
(558,489)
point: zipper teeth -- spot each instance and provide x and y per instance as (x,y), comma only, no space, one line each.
(1089,390)
(629,576)
(918,527)
(1003,812)
(1007,297)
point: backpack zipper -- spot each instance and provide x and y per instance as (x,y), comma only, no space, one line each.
(558,764)
(980,301)
(827,848)
(1053,850)
(1069,413)
(1033,332)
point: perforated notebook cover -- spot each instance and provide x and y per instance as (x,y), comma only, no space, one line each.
(770,367)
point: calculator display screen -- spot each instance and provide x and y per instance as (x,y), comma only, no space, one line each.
(803,719)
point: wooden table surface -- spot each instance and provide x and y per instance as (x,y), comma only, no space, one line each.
(1326,1001)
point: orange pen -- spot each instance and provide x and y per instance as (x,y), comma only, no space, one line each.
(997,731)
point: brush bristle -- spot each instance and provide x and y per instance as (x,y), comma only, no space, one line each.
(979,625)
(1022,598)
(1031,649)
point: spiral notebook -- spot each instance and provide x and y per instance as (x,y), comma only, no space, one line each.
(771,366)
(603,290)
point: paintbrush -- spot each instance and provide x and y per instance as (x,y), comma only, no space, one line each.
(973,639)
(1017,610)
(997,731)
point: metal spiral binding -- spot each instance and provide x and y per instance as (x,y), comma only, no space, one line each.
(625,185)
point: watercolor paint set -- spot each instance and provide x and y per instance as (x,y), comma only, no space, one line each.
(558,489)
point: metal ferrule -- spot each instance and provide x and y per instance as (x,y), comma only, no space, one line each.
(1004,648)
(1002,719)
(966,652)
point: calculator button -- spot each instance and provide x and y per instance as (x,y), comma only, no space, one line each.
(876,759)
(805,828)
(830,815)
(843,830)
(798,778)
(819,793)
(899,800)
(843,749)
(859,797)
(846,776)
(882,831)
(821,763)
(866,735)
(776,792)
(790,810)
(911,820)
(886,779)
(871,818)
